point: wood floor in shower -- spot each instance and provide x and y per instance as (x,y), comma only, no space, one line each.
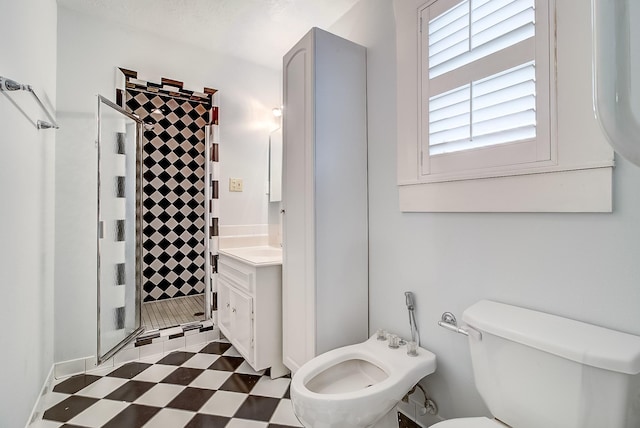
(171,312)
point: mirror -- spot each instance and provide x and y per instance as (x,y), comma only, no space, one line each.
(275,166)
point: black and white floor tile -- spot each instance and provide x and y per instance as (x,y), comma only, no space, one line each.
(203,386)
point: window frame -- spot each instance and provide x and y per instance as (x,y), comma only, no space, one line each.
(494,160)
(578,178)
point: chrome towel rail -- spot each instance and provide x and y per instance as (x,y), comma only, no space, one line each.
(449,322)
(8,85)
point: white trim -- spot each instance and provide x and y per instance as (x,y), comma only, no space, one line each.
(580,151)
(496,159)
(38,407)
(509,170)
(481,68)
(564,191)
(64,369)
(76,366)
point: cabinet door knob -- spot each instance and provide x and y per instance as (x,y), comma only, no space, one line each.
(227,305)
(233,310)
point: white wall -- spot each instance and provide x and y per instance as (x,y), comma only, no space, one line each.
(89,52)
(27,29)
(582,266)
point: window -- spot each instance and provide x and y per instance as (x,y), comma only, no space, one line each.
(495,109)
(481,73)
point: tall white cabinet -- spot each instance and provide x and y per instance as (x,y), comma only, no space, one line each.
(325,231)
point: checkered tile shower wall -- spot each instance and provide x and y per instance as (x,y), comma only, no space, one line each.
(173,193)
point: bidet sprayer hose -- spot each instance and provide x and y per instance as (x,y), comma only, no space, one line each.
(415,336)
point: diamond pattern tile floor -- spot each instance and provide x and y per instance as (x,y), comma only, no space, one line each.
(210,388)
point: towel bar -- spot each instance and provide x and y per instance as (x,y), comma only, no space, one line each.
(8,85)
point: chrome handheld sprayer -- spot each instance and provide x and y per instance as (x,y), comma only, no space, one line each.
(415,336)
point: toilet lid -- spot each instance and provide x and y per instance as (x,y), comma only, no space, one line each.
(469,423)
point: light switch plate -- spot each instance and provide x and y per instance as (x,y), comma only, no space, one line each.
(235,184)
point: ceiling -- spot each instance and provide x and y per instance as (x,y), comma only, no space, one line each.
(260,31)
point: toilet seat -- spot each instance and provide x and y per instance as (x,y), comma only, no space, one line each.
(469,423)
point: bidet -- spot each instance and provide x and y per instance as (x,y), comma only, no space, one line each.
(357,386)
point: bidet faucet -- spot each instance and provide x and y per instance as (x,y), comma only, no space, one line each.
(415,336)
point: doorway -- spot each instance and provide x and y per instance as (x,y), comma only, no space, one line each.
(176,205)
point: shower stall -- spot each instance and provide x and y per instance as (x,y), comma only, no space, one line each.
(157,209)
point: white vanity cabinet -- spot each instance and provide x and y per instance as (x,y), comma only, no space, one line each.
(236,317)
(325,232)
(250,307)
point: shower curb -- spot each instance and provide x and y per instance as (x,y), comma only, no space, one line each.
(150,343)
(173,332)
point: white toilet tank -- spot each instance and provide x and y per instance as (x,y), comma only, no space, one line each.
(536,370)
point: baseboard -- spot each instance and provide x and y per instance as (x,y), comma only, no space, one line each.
(150,343)
(38,407)
(204,334)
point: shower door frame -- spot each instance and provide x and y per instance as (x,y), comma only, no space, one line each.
(139,328)
(208,140)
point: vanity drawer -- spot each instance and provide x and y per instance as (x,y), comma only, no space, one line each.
(239,274)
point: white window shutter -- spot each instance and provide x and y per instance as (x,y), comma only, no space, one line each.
(488,110)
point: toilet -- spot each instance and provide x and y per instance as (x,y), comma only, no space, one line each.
(357,386)
(535,370)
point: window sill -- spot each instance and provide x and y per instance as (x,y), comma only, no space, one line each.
(581,190)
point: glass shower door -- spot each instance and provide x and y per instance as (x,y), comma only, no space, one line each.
(119,249)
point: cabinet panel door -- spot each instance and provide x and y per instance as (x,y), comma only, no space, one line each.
(242,321)
(224,307)
(297,201)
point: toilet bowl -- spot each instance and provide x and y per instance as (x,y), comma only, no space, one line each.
(358,385)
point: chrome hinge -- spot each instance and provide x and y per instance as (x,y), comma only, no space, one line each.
(421,24)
